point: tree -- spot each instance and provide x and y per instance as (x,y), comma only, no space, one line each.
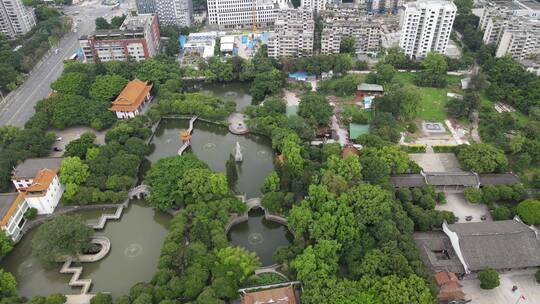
(267,83)
(347,45)
(433,73)
(163,178)
(482,158)
(271,183)
(398,290)
(102,298)
(102,24)
(8,285)
(489,278)
(106,87)
(384,73)
(202,185)
(473,195)
(315,108)
(56,298)
(317,262)
(501,213)
(72,84)
(350,168)
(402,103)
(537,276)
(6,244)
(529,211)
(73,171)
(80,146)
(117,21)
(64,236)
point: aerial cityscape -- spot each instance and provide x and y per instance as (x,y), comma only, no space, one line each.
(269,151)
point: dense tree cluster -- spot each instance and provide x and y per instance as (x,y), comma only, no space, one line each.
(529,211)
(345,86)
(482,158)
(116,22)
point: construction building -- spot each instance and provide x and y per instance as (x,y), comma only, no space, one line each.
(15,18)
(426,26)
(293,34)
(367,30)
(238,14)
(174,12)
(138,38)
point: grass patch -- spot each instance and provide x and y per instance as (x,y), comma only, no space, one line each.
(432,100)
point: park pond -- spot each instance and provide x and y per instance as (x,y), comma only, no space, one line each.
(238,92)
(260,235)
(136,238)
(214,145)
(136,243)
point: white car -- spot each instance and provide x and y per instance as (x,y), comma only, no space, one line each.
(59,138)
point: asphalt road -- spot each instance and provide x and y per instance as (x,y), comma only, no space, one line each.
(18,107)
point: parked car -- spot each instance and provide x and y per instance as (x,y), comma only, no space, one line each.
(57,149)
(59,138)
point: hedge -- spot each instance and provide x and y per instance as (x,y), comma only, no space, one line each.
(413,148)
(445,148)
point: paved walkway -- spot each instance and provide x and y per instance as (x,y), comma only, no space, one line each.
(189,130)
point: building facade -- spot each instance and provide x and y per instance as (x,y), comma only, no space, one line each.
(174,12)
(37,178)
(293,34)
(12,209)
(367,30)
(146,6)
(237,14)
(520,44)
(316,6)
(426,27)
(15,18)
(138,38)
(384,6)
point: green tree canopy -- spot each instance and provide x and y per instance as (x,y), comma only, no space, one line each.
(106,87)
(529,211)
(482,158)
(433,73)
(347,45)
(315,108)
(64,236)
(71,83)
(8,285)
(489,278)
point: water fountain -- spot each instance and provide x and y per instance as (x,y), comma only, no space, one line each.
(238,153)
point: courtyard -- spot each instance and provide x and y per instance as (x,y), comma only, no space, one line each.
(523,279)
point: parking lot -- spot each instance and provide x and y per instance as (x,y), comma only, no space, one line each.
(71,134)
(457,203)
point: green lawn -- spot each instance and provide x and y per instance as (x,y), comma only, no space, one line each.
(433,100)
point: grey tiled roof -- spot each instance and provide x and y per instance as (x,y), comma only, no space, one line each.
(467,179)
(6,199)
(498,179)
(498,244)
(30,167)
(407,180)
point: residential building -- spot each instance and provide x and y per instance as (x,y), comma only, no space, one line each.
(384,6)
(316,6)
(174,12)
(520,44)
(132,100)
(426,26)
(237,14)
(293,34)
(12,209)
(502,245)
(532,65)
(15,18)
(146,6)
(367,31)
(37,178)
(138,38)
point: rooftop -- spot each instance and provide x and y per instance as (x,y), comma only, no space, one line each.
(8,205)
(132,96)
(498,244)
(283,295)
(370,87)
(42,180)
(31,166)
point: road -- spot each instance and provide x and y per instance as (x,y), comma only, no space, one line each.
(18,107)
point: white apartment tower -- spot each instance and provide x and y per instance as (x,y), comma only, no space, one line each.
(293,34)
(237,14)
(15,18)
(174,12)
(426,26)
(317,6)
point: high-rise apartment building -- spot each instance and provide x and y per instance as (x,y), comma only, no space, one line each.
(293,33)
(174,12)
(146,6)
(317,6)
(137,38)
(367,31)
(384,6)
(236,14)
(15,18)
(426,26)
(520,44)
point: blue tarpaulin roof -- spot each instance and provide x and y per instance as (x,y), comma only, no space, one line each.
(182,39)
(244,39)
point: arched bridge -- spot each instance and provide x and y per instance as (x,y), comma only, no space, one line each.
(138,192)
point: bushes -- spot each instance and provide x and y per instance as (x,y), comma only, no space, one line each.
(529,211)
(501,213)
(444,148)
(473,195)
(490,194)
(30,214)
(482,158)
(489,278)
(413,148)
